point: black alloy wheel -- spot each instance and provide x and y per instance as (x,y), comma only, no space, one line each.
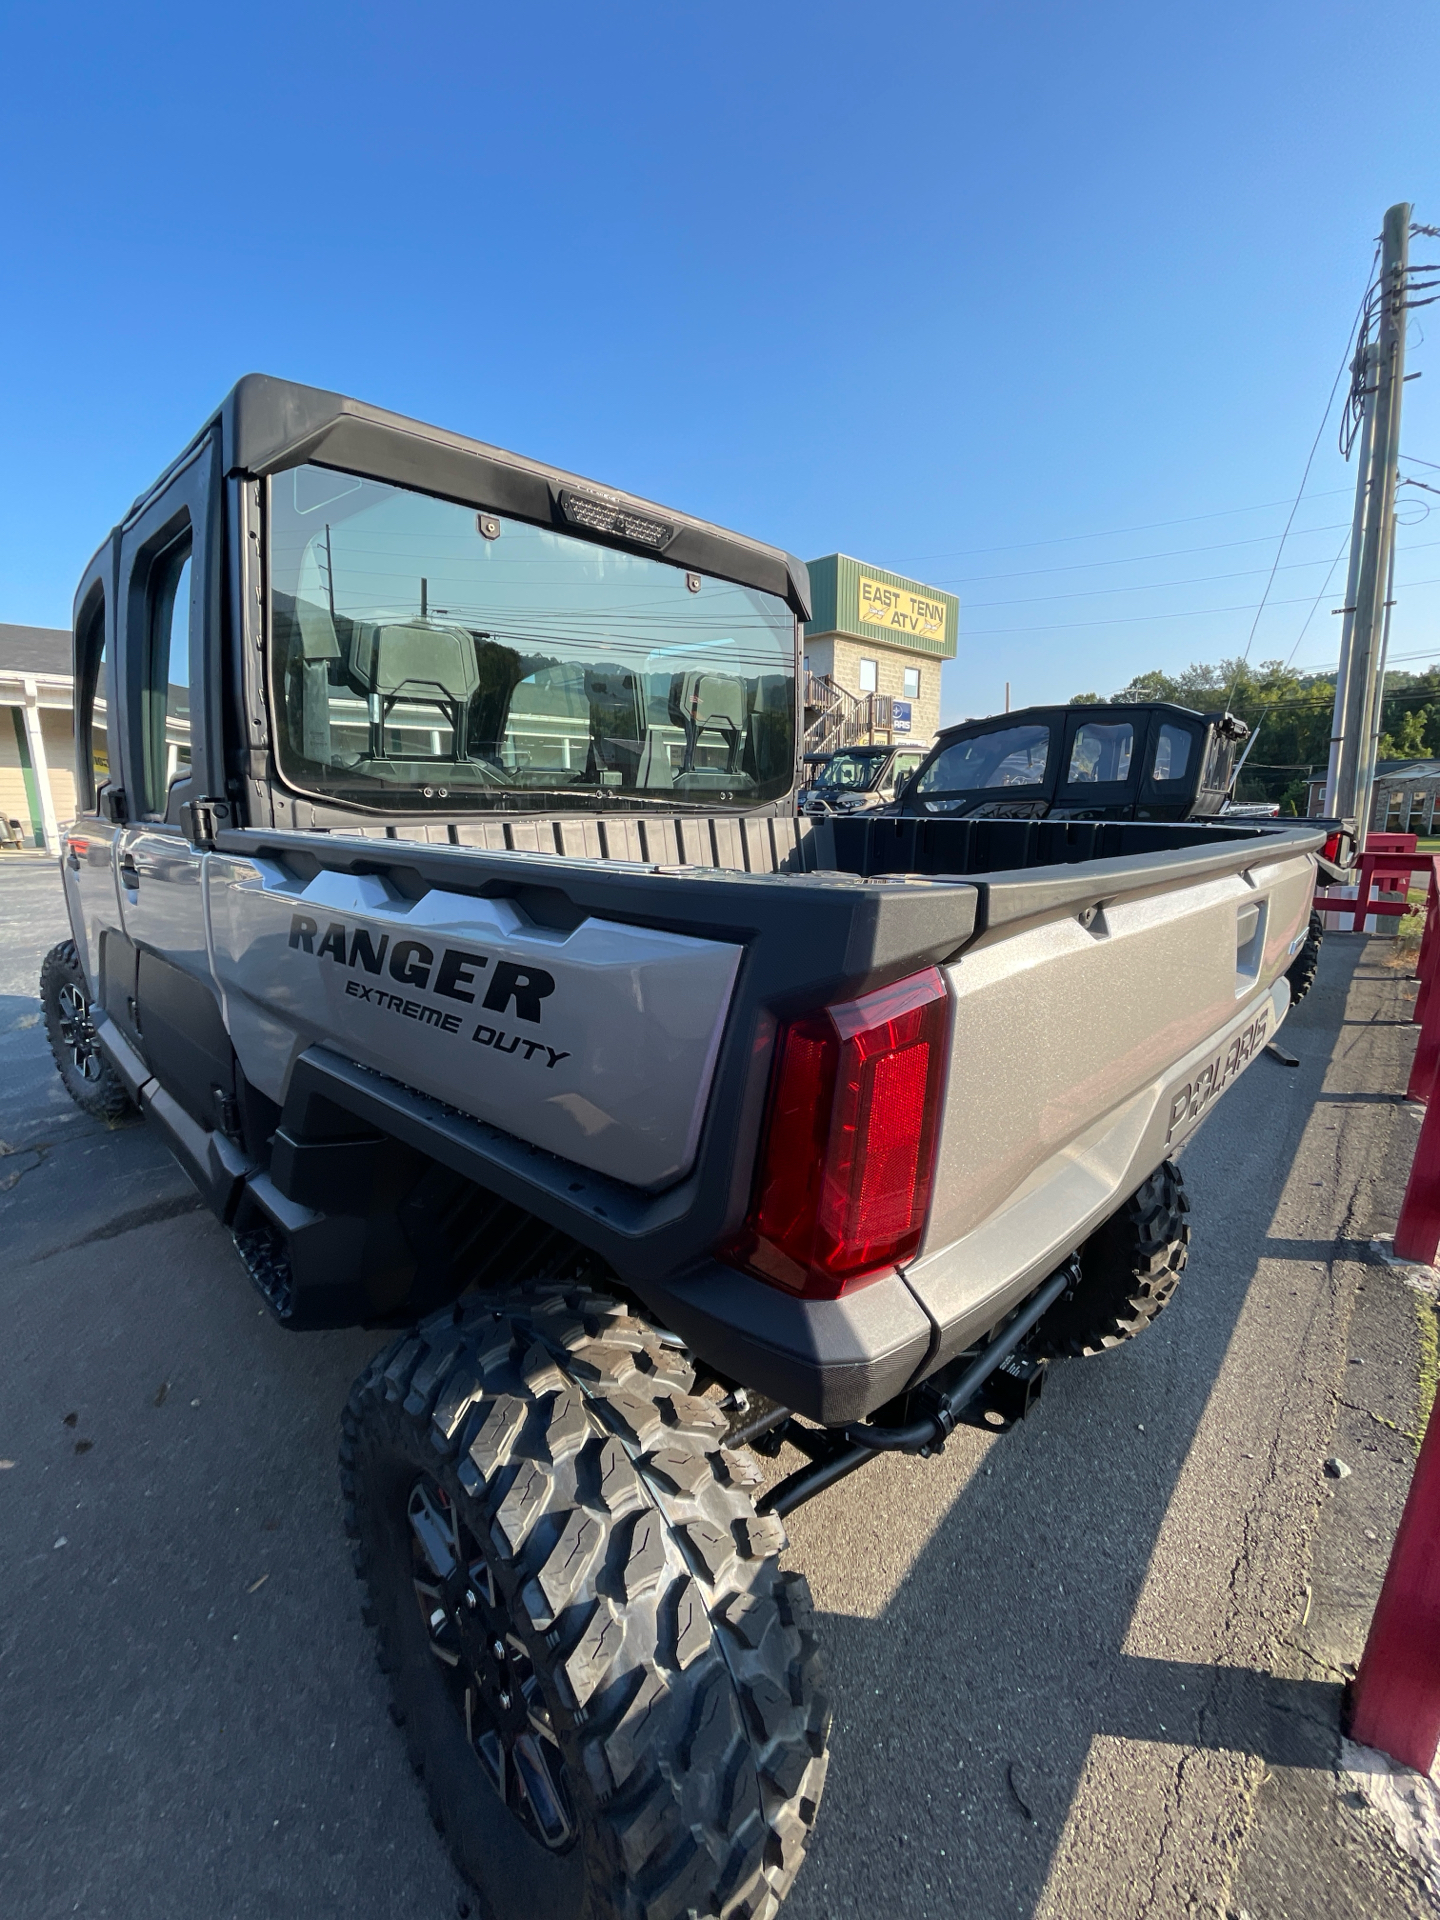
(90,1080)
(487,1670)
(77,1034)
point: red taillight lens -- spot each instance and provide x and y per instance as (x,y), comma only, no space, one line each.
(1332,849)
(846,1162)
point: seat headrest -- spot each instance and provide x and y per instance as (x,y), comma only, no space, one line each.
(705,700)
(424,656)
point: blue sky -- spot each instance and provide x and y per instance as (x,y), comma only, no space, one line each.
(1040,302)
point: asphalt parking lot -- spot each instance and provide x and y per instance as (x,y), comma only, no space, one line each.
(1089,1668)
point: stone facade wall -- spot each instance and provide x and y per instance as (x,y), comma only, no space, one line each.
(840,658)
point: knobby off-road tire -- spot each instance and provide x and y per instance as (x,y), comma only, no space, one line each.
(607,1562)
(1129,1269)
(90,1080)
(1302,969)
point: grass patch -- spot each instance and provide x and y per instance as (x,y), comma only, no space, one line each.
(1409,931)
(1429,1364)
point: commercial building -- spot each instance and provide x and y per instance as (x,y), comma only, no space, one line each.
(873,653)
(37,752)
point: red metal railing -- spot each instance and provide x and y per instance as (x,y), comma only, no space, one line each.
(1394,1700)
(1385,867)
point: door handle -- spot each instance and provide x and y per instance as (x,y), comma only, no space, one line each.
(130,874)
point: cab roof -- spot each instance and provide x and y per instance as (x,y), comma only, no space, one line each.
(268,425)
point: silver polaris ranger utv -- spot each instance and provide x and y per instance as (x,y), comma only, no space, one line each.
(438,891)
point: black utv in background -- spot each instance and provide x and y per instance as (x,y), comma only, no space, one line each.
(1120,761)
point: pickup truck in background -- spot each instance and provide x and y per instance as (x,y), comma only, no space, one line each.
(439,893)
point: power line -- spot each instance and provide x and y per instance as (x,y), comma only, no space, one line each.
(1152,619)
(1315,603)
(1135,559)
(1193,580)
(1110,533)
(1431,653)
(1309,462)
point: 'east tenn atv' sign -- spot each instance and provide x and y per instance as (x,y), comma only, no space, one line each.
(899,611)
(855,601)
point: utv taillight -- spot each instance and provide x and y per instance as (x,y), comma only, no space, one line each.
(1332,850)
(842,1189)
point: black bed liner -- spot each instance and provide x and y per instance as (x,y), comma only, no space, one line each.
(1012,870)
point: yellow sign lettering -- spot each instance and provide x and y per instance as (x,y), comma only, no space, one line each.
(905,614)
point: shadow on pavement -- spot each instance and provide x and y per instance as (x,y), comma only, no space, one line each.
(965,1712)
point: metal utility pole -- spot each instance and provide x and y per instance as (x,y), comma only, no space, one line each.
(1379,374)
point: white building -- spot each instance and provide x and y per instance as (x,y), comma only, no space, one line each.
(37,736)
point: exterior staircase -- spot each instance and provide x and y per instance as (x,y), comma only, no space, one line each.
(836,718)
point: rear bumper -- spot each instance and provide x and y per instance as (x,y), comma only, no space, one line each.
(829,1360)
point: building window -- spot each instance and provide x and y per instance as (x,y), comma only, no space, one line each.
(869,675)
(912,683)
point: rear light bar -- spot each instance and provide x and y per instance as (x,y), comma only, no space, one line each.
(842,1188)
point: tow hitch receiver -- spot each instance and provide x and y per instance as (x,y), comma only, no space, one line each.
(1008,1395)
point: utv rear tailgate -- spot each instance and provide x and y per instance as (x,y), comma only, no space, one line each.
(580,1006)
(597,1042)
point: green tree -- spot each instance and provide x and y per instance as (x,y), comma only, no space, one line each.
(1407,742)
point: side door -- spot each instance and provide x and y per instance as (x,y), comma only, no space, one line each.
(88,861)
(1172,767)
(169,599)
(1102,756)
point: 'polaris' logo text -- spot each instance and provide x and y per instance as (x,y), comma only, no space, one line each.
(412,963)
(1192,1099)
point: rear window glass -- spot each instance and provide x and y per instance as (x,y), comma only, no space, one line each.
(1172,753)
(426,655)
(1008,757)
(1101,753)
